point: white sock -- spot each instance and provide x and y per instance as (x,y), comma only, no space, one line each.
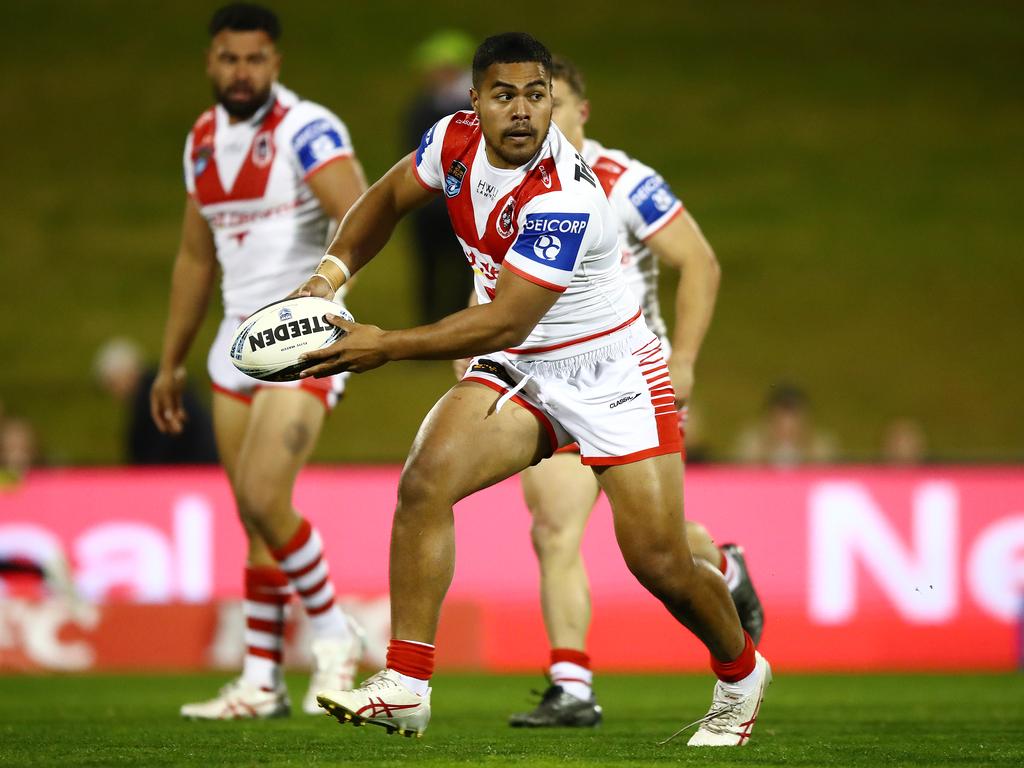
(414,684)
(261,672)
(746,686)
(573,679)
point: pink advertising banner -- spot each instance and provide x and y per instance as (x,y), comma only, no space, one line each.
(858,568)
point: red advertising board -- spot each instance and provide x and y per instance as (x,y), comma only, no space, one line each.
(858,568)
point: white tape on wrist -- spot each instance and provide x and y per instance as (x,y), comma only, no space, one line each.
(339,264)
(325,278)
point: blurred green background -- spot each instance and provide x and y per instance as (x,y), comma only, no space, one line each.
(856,165)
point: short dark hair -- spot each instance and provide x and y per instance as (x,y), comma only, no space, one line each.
(563,69)
(245,17)
(509,48)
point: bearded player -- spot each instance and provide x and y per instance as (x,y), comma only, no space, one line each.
(266,172)
(560,492)
(557,338)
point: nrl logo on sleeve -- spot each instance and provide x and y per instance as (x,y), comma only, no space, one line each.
(453,179)
(202,160)
(506,219)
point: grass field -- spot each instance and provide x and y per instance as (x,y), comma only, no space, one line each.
(862,720)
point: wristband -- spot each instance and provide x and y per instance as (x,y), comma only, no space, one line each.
(326,279)
(339,264)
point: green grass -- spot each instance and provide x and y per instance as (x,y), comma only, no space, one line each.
(855,164)
(821,720)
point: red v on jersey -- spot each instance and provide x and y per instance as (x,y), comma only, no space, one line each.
(460,146)
(251,182)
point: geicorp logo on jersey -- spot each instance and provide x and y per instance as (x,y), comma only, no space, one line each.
(652,197)
(315,142)
(552,239)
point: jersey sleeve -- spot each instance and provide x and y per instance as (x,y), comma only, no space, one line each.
(555,232)
(317,137)
(426,162)
(644,201)
(189,171)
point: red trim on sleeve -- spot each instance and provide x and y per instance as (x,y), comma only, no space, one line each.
(316,169)
(416,175)
(664,224)
(536,280)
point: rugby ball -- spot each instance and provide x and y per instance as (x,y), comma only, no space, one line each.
(268,343)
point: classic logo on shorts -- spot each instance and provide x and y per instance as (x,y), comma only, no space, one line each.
(506,219)
(262,150)
(453,179)
(552,239)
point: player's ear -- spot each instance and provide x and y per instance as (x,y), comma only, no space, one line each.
(474,100)
(584,112)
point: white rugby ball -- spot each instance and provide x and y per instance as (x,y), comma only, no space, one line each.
(268,343)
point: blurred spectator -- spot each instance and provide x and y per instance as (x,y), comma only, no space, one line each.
(120,372)
(443,284)
(19,449)
(785,436)
(904,443)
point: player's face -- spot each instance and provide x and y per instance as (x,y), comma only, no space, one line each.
(514,107)
(569,111)
(242,67)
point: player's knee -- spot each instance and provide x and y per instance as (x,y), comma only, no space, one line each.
(422,486)
(664,570)
(257,502)
(552,539)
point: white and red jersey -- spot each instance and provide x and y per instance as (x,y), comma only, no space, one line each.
(548,221)
(249,181)
(644,204)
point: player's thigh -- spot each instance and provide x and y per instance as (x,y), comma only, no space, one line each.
(282,431)
(465,444)
(647,502)
(560,493)
(230,420)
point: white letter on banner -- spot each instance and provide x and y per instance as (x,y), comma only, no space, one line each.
(193,545)
(133,555)
(848,529)
(995,571)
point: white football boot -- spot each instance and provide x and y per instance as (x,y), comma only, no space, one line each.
(334,666)
(381,700)
(240,700)
(731,718)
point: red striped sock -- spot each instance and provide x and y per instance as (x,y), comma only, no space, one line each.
(737,669)
(570,669)
(302,560)
(267,593)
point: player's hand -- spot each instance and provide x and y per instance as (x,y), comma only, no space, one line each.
(461,365)
(314,286)
(165,403)
(680,371)
(360,349)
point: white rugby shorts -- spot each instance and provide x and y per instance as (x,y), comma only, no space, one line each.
(228,380)
(617,402)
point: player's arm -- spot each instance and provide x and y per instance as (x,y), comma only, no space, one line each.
(682,245)
(195,269)
(368,226)
(506,321)
(337,185)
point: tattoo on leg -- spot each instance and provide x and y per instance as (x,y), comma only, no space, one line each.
(296,438)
